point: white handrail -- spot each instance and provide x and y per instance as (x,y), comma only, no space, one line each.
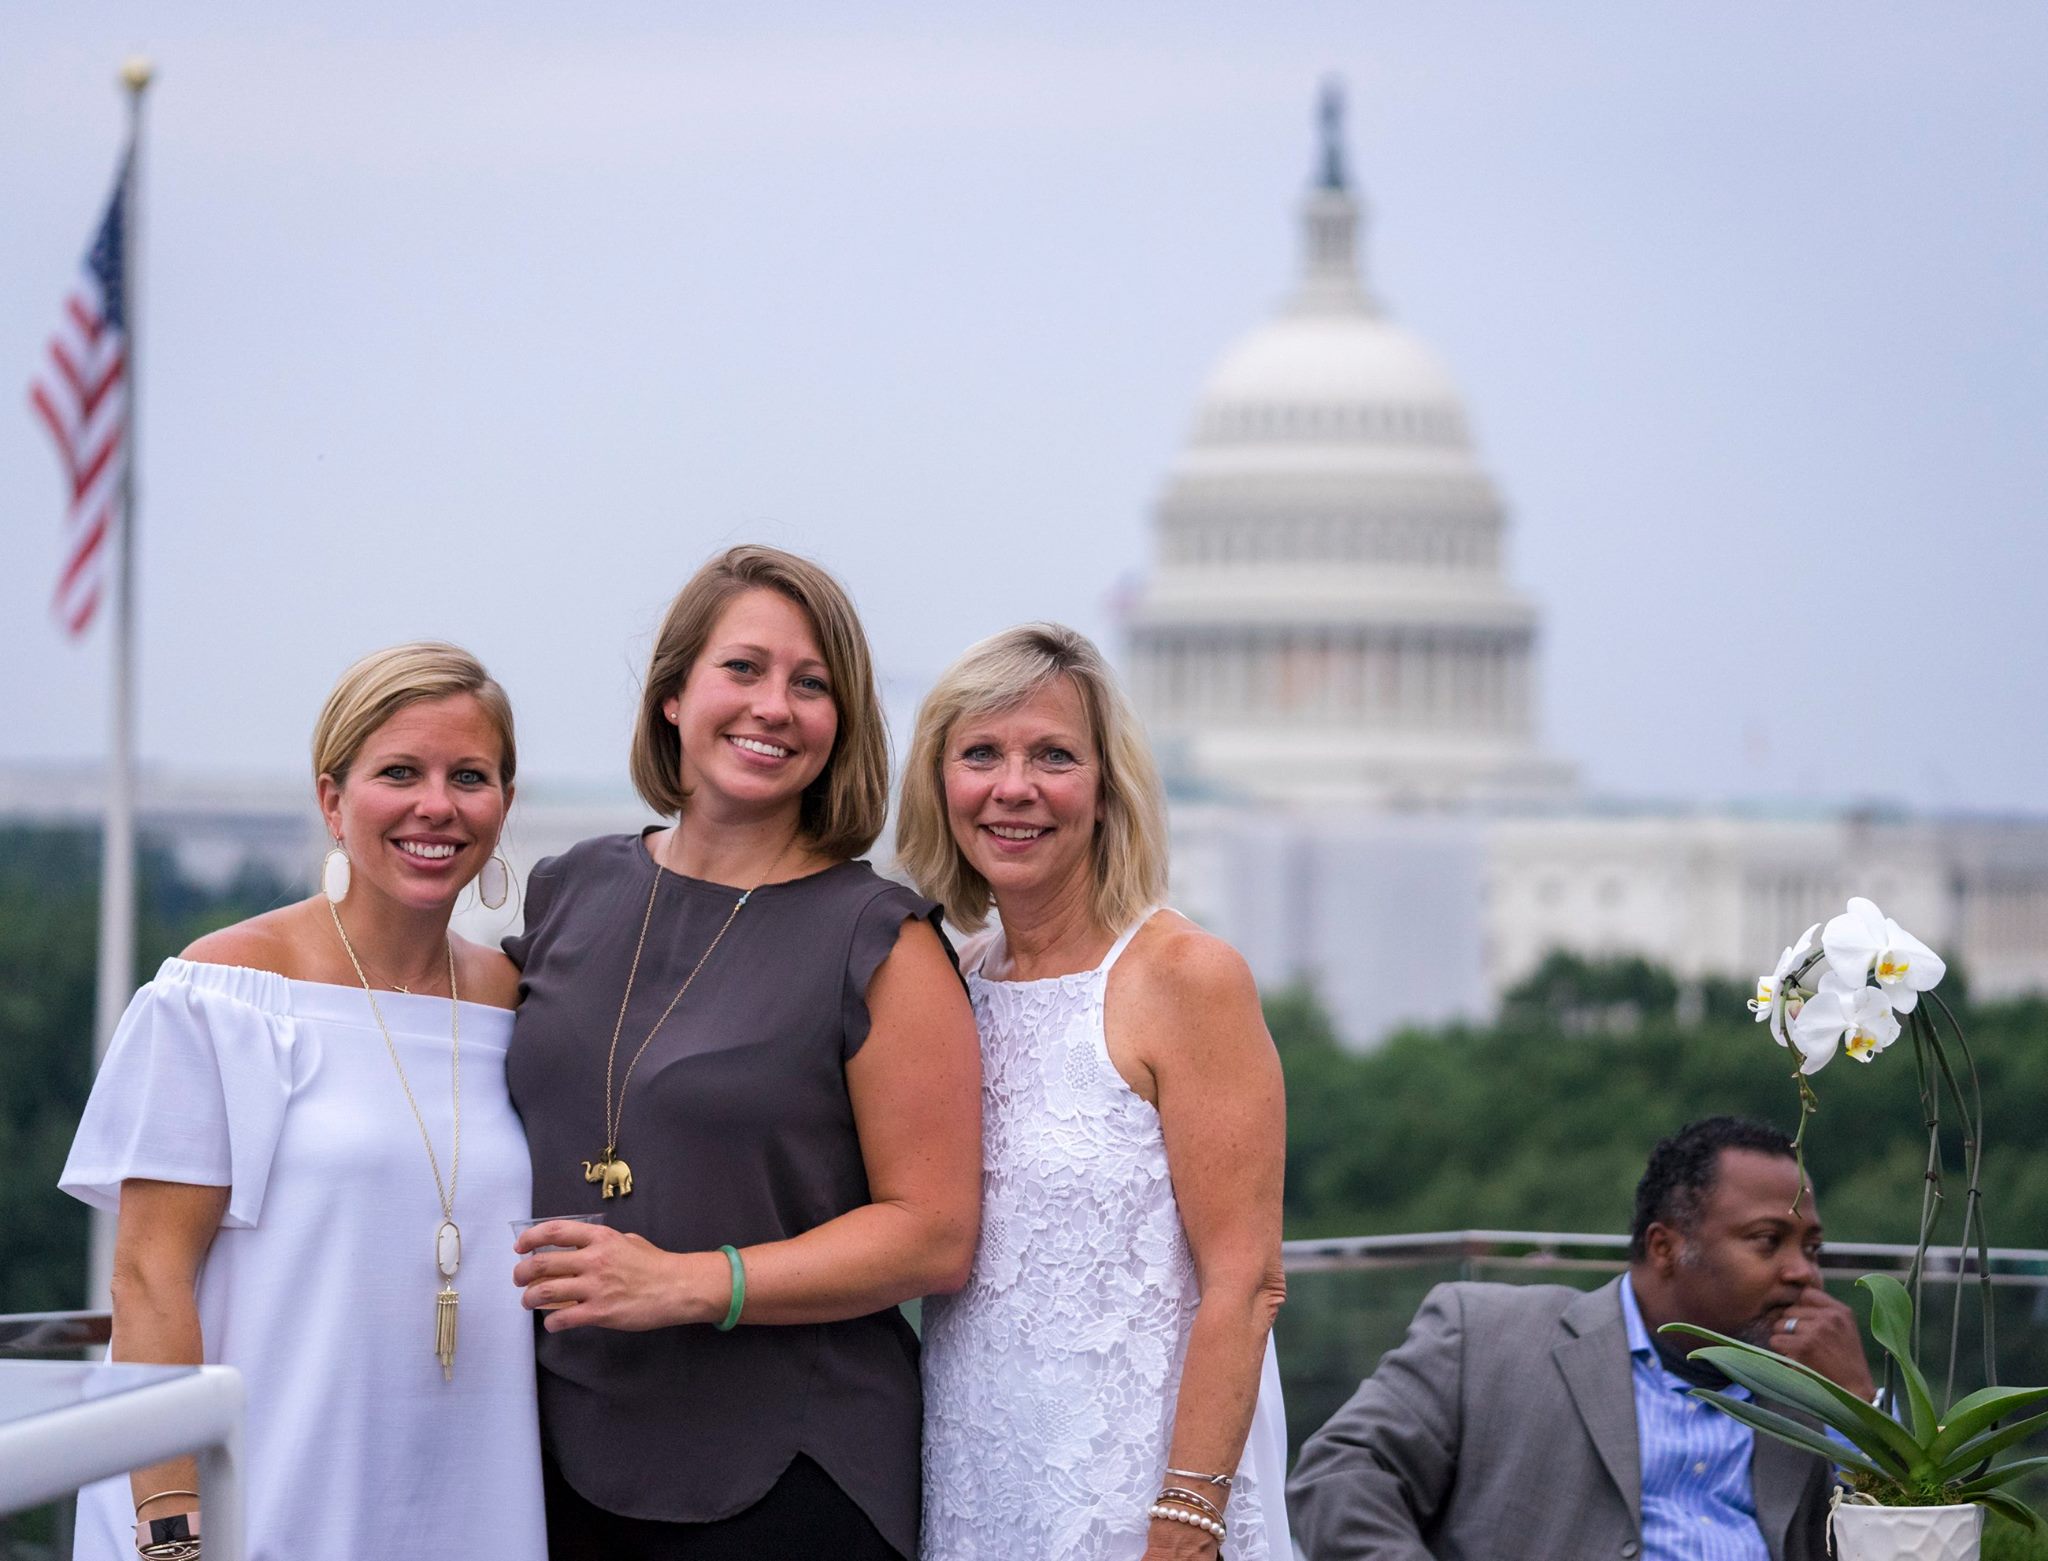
(46,1456)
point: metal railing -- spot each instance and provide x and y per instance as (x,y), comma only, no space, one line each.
(64,1425)
(1520,1251)
(1351,1298)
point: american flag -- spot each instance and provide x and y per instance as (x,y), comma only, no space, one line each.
(82,397)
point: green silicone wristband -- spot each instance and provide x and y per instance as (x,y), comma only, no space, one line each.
(739,1290)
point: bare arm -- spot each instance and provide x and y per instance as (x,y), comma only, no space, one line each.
(916,1090)
(164,1231)
(1193,1013)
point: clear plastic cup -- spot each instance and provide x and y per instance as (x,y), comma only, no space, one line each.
(579,1219)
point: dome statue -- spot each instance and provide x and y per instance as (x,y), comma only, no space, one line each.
(1326,620)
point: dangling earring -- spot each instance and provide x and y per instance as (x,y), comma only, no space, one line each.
(335,874)
(494,882)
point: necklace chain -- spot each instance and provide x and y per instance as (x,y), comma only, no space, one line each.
(615,1116)
(446,1192)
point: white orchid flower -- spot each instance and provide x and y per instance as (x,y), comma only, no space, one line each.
(1855,1016)
(1778,996)
(1864,942)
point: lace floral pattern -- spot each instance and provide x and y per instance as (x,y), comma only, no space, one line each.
(1050,1379)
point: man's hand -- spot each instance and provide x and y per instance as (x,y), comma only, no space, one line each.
(1820,1332)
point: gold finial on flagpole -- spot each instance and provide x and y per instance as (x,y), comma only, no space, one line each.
(136,71)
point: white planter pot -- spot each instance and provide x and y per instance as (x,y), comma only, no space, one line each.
(1908,1533)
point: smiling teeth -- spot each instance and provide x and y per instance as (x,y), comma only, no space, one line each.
(1008,832)
(431,853)
(769,749)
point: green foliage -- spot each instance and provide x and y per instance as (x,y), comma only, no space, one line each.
(49,920)
(2009,1542)
(1921,1464)
(1530,1125)
(1581,996)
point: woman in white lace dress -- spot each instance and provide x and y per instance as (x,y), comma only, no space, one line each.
(1103,1389)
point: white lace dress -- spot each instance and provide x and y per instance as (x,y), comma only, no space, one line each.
(1050,1380)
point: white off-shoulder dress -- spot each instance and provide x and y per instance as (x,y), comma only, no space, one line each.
(319,1286)
(1050,1380)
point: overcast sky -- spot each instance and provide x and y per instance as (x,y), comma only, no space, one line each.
(490,322)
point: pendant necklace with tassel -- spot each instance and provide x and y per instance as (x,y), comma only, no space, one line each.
(447,1236)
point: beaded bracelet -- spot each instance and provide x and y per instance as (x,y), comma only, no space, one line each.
(1188,1498)
(1193,1519)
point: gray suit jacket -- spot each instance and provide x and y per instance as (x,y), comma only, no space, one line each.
(1503,1428)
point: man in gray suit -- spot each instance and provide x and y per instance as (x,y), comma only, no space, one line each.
(1541,1423)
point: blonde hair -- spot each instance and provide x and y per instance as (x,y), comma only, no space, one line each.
(844,808)
(998,674)
(384,682)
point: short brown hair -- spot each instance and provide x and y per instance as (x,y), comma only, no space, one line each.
(998,674)
(384,682)
(844,808)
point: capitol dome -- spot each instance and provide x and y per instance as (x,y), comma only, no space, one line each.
(1327,563)
(1345,361)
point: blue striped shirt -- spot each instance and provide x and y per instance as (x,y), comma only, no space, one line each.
(1698,1503)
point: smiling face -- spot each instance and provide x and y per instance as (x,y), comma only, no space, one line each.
(1024,793)
(1751,1252)
(422,803)
(755,716)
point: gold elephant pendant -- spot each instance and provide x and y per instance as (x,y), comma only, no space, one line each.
(616,1175)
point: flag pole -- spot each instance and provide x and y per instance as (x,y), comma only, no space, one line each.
(117,841)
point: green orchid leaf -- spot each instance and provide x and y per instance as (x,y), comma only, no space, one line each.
(2007,1505)
(1891,1324)
(1774,1377)
(1979,1449)
(2004,1474)
(1978,1413)
(1786,1429)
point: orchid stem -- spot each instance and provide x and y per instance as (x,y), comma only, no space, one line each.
(1930,1193)
(1809,1103)
(1973,1197)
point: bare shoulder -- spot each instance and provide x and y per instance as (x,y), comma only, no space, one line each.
(1173,961)
(487,975)
(274,941)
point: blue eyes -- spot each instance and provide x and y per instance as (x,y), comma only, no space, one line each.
(740,666)
(986,753)
(406,772)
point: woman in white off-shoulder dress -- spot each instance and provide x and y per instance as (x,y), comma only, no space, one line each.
(279,1209)
(1104,1388)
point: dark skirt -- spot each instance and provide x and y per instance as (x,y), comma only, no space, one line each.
(805,1514)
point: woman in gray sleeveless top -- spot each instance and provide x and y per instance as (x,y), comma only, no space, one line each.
(754,1056)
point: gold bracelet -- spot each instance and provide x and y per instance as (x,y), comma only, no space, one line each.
(1209,1479)
(159,1496)
(1188,1498)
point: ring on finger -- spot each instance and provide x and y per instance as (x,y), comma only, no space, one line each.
(1791,1325)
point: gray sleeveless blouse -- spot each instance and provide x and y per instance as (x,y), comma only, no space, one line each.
(739,1130)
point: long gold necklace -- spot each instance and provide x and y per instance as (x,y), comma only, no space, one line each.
(447,1235)
(609,1169)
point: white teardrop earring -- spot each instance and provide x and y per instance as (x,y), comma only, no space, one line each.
(334,875)
(494,882)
